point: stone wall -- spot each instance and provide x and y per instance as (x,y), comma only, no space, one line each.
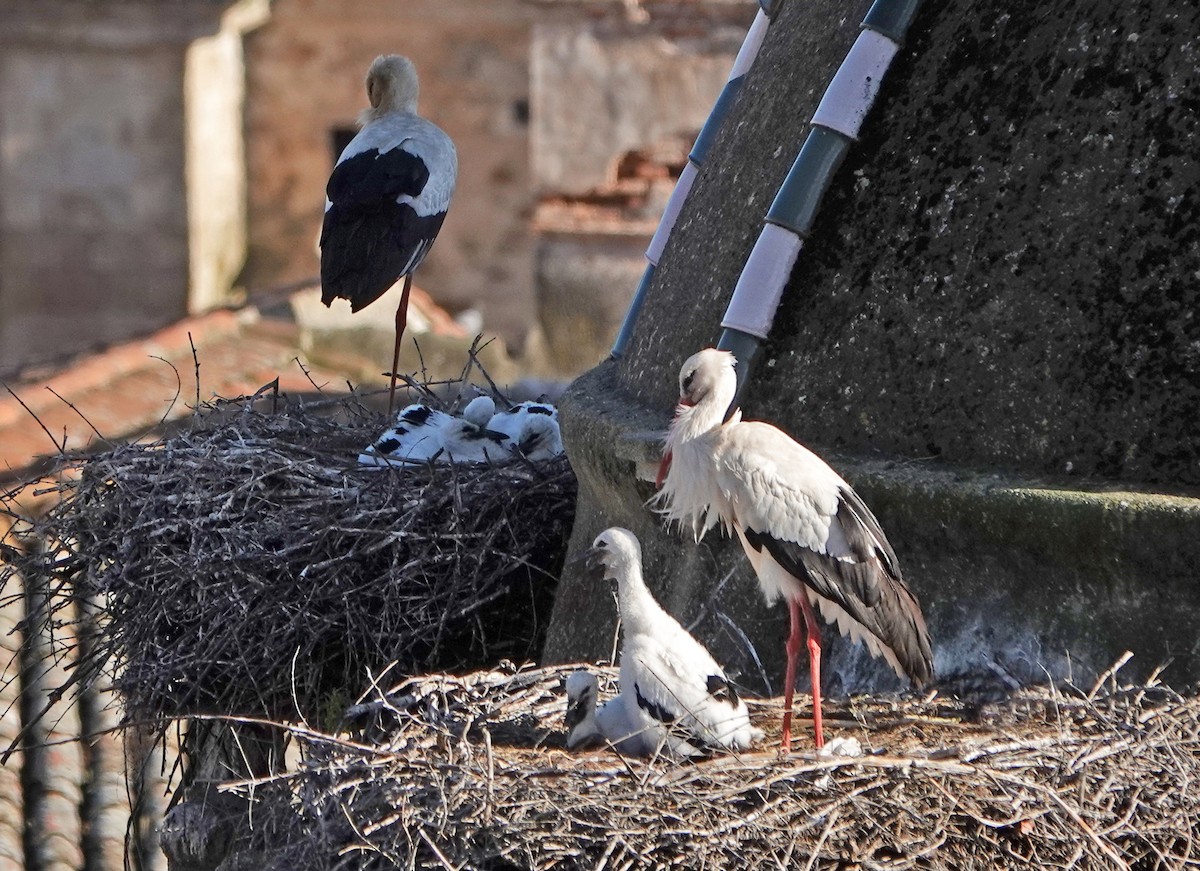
(602,88)
(96,243)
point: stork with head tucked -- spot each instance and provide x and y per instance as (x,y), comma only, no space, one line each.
(423,434)
(387,197)
(532,429)
(807,534)
(675,695)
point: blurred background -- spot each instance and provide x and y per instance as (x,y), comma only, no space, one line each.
(162,174)
(161,160)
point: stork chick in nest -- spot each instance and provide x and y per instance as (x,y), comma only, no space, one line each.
(673,694)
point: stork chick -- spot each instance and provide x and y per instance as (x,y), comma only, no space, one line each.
(674,693)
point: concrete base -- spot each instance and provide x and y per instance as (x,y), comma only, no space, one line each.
(1019,581)
(361,343)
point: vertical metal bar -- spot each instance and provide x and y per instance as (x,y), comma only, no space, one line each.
(835,125)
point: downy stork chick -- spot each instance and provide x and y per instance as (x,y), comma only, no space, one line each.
(807,534)
(589,725)
(532,428)
(387,197)
(674,692)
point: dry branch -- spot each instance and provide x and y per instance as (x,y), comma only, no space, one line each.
(470,772)
(246,565)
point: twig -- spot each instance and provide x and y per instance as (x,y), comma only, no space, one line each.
(61,448)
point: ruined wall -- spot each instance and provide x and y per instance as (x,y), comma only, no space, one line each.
(617,104)
(305,79)
(604,88)
(96,240)
(215,155)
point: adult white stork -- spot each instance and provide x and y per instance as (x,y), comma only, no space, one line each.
(387,197)
(808,535)
(675,695)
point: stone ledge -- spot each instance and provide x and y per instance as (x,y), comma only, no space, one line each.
(1015,576)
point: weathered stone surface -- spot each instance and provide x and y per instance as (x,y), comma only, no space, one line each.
(584,284)
(1007,268)
(1015,577)
(599,91)
(1001,280)
(200,832)
(112,207)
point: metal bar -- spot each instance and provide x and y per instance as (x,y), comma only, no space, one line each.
(696,157)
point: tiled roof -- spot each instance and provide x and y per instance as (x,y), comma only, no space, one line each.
(127,389)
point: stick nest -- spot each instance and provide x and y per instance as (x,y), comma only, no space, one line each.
(471,772)
(248,566)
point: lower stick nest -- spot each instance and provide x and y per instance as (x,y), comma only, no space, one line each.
(247,566)
(471,772)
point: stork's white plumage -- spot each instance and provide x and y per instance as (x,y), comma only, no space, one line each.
(479,410)
(807,534)
(589,725)
(387,197)
(423,434)
(674,693)
(532,428)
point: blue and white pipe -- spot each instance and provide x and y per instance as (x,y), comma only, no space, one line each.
(696,157)
(835,125)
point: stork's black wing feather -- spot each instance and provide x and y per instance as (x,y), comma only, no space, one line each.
(672,721)
(368,239)
(371,178)
(867,585)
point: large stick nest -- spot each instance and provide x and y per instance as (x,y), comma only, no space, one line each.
(471,773)
(247,565)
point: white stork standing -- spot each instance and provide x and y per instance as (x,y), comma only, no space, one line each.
(806,532)
(675,695)
(387,197)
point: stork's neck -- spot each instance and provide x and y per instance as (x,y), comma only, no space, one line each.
(390,93)
(693,421)
(638,608)
(585,728)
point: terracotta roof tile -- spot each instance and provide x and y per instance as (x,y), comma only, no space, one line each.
(126,390)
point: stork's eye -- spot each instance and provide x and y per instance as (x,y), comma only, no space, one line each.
(687,381)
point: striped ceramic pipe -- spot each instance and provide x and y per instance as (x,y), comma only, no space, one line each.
(741,65)
(835,125)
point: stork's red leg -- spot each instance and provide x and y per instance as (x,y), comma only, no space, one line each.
(814,666)
(401,323)
(792,647)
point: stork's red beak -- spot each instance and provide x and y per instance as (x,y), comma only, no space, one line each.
(663,468)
